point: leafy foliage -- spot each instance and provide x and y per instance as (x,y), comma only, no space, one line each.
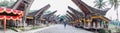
(100,4)
(114,3)
(6,3)
(62,18)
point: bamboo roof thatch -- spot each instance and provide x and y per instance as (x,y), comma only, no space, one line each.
(50,14)
(79,14)
(21,4)
(88,9)
(73,15)
(39,11)
(37,14)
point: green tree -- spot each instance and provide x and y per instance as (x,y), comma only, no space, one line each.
(115,4)
(6,3)
(62,17)
(100,4)
(11,3)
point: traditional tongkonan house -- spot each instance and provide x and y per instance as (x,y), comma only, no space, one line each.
(49,18)
(77,13)
(12,16)
(33,18)
(6,15)
(91,15)
(23,5)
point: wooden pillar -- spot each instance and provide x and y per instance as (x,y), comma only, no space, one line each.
(82,23)
(14,21)
(87,24)
(100,22)
(107,25)
(35,21)
(91,24)
(20,23)
(96,24)
(4,23)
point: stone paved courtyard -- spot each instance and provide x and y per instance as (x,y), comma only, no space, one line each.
(59,28)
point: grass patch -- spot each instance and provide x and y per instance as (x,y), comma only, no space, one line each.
(12,28)
(118,30)
(114,28)
(35,27)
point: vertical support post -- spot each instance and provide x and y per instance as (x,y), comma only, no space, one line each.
(14,21)
(4,24)
(20,23)
(35,21)
(92,24)
(107,25)
(96,24)
(100,22)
